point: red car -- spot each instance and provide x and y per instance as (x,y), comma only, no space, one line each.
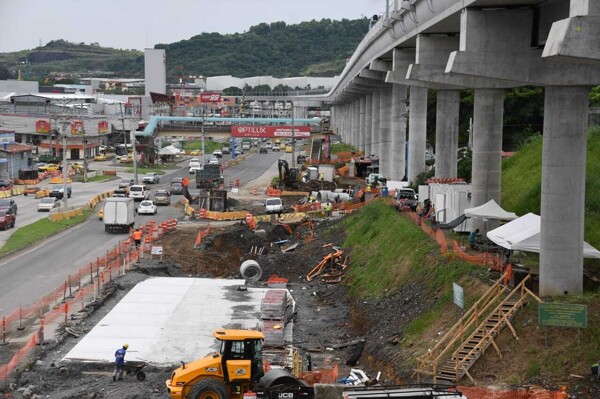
(7,220)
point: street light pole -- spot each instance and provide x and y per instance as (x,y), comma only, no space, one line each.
(65,166)
(135,166)
(203,121)
(293,138)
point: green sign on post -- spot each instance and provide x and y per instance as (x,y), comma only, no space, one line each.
(562,315)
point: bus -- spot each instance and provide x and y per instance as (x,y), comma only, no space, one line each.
(123,149)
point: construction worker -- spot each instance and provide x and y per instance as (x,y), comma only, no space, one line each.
(311,199)
(120,362)
(137,237)
(328,208)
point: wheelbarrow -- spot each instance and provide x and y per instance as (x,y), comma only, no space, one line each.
(135,367)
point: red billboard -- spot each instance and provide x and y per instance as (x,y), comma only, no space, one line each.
(270,131)
(77,127)
(103,127)
(210,98)
(42,126)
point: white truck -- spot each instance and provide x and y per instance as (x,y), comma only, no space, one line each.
(119,214)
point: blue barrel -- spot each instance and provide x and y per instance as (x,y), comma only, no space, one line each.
(384,191)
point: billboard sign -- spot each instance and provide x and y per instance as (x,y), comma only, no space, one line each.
(42,126)
(210,98)
(270,131)
(77,127)
(103,127)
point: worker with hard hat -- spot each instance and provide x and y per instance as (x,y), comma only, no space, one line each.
(120,362)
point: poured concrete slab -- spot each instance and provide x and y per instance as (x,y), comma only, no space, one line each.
(166,320)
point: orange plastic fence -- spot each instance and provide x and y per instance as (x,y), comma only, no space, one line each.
(74,292)
(484,259)
(323,376)
(313,206)
(273,192)
(201,235)
(484,393)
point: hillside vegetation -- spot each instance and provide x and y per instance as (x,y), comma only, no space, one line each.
(401,285)
(315,48)
(521,183)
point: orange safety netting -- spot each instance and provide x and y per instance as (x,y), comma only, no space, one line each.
(75,292)
(535,393)
(484,259)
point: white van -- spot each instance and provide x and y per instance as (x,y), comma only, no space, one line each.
(194,165)
(274,205)
(139,192)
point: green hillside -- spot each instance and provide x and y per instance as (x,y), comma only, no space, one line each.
(521,183)
(315,48)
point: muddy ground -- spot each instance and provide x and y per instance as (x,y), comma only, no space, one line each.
(325,321)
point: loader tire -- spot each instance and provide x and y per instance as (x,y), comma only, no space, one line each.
(209,389)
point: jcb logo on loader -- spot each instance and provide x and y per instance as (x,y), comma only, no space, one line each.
(285,395)
(211,369)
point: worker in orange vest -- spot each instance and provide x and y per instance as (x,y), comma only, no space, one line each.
(137,237)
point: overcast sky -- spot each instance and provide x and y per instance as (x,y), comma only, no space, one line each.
(138,24)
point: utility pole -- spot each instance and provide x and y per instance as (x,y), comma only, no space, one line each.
(293,138)
(203,122)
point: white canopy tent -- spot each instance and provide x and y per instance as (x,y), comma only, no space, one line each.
(169,150)
(523,234)
(490,210)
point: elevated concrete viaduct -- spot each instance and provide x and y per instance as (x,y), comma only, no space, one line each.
(488,46)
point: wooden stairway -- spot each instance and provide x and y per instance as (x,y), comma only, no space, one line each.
(479,335)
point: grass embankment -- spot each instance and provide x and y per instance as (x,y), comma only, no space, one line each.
(388,251)
(35,232)
(341,147)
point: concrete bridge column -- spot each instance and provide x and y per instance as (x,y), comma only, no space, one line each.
(333,119)
(487,148)
(346,133)
(385,115)
(397,146)
(417,132)
(446,133)
(563,190)
(366,147)
(356,118)
(361,131)
(375,124)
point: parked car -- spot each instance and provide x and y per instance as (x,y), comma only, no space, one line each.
(49,203)
(407,197)
(151,177)
(9,204)
(125,183)
(274,205)
(196,152)
(213,161)
(49,167)
(263,149)
(100,157)
(162,197)
(217,154)
(239,151)
(289,149)
(276,147)
(282,147)
(5,183)
(225,150)
(269,144)
(147,207)
(7,220)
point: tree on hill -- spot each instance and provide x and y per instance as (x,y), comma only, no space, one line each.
(4,73)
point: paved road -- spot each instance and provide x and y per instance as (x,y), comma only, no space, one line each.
(33,273)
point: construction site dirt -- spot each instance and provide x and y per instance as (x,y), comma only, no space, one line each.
(327,324)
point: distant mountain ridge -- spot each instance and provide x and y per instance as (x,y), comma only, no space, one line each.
(315,48)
